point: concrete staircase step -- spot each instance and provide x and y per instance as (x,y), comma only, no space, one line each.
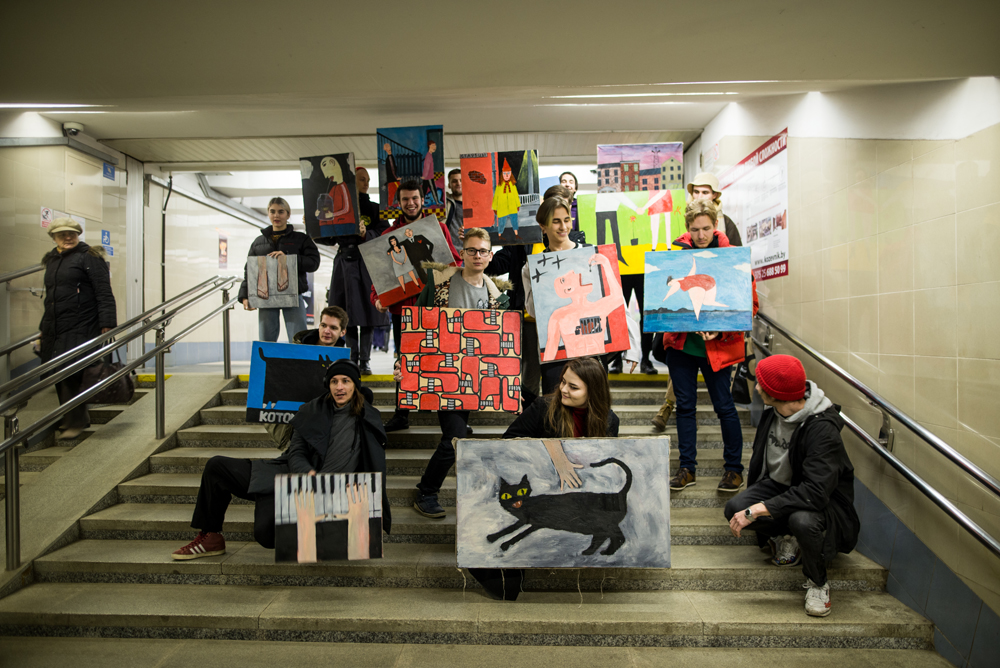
(29,652)
(701,567)
(106,413)
(371,614)
(193,460)
(24,477)
(690,525)
(39,460)
(642,393)
(628,415)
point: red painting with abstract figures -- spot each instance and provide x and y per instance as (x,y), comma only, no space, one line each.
(460,360)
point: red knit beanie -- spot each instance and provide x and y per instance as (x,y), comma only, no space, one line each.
(782,377)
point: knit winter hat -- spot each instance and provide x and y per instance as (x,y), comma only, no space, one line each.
(342,367)
(782,377)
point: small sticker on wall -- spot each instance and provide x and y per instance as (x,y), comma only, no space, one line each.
(109,171)
(223,251)
(48,215)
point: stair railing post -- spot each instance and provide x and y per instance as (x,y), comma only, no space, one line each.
(160,378)
(227,363)
(12,499)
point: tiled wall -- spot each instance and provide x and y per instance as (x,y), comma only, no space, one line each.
(192,257)
(30,178)
(894,275)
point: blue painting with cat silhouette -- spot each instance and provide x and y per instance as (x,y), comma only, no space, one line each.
(513,512)
(283,376)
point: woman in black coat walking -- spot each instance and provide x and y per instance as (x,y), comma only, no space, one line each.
(79,305)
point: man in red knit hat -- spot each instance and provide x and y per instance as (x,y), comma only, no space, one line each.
(800,488)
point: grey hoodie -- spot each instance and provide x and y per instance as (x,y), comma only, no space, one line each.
(777,465)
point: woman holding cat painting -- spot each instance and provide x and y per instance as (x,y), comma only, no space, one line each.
(579,408)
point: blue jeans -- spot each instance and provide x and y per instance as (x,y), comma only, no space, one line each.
(268,325)
(684,373)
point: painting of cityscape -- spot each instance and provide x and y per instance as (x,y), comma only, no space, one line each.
(411,153)
(637,167)
(500,194)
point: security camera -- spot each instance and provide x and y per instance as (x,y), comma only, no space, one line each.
(72,129)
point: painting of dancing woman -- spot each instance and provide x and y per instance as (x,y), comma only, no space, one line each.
(580,325)
(401,263)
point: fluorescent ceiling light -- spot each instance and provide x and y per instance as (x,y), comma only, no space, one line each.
(634,95)
(23,105)
(609,104)
(694,83)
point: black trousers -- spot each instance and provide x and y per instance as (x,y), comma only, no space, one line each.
(634,283)
(222,479)
(806,525)
(397,337)
(453,425)
(361,348)
(531,372)
(66,389)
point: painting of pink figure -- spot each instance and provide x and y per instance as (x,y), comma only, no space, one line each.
(327,517)
(578,302)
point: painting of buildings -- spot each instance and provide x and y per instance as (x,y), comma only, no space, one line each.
(415,152)
(636,167)
(705,290)
(515,511)
(579,305)
(460,359)
(500,194)
(327,517)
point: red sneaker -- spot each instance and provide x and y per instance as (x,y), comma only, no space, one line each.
(205,544)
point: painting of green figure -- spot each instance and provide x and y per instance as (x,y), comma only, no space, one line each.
(635,222)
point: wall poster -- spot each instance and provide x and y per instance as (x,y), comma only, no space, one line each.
(756,198)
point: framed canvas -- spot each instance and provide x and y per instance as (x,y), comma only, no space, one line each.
(415,152)
(579,304)
(395,259)
(516,511)
(706,290)
(273,282)
(330,195)
(637,167)
(460,359)
(327,517)
(501,194)
(283,376)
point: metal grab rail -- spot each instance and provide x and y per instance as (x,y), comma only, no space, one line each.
(207,286)
(12,436)
(82,363)
(18,273)
(887,408)
(977,532)
(10,348)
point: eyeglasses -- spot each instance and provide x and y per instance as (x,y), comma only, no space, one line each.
(473,252)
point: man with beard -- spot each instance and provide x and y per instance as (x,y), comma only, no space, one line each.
(411,202)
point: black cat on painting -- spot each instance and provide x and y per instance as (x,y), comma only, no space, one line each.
(596,514)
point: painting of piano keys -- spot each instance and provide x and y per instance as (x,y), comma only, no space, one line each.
(327,517)
(501,195)
(579,304)
(460,359)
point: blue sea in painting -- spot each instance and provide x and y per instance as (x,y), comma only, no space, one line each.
(716,280)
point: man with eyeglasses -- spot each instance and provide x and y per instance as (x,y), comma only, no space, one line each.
(456,287)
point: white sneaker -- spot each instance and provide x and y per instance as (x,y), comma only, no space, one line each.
(786,551)
(817,599)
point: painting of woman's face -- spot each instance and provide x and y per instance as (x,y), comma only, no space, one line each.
(394,243)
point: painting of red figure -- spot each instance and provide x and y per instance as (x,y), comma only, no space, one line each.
(579,304)
(460,359)
(327,517)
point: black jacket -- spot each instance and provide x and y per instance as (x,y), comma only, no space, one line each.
(78,299)
(310,438)
(289,242)
(350,284)
(731,231)
(310,337)
(822,477)
(533,423)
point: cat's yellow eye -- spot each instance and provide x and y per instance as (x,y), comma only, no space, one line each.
(505,496)
(522,492)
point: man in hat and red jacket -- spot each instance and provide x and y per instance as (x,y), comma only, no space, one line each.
(800,489)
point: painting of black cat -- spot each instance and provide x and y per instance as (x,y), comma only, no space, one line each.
(295,380)
(596,514)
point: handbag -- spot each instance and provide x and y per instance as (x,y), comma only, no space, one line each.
(741,382)
(118,392)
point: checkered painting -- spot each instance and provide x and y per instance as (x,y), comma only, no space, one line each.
(460,359)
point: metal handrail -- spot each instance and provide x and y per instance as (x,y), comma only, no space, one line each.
(10,348)
(977,532)
(207,286)
(878,401)
(84,362)
(18,273)
(13,436)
